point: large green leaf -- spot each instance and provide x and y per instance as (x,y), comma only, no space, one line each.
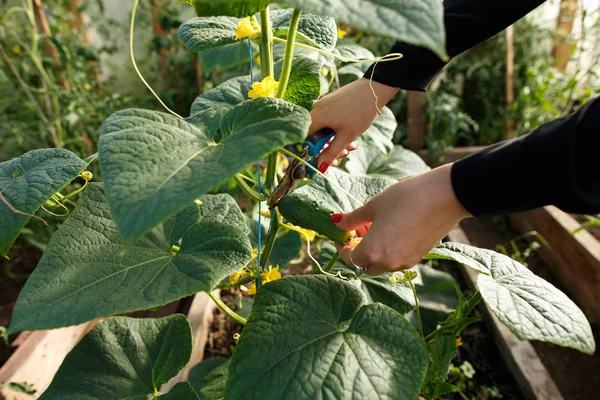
(27,182)
(375,288)
(381,132)
(124,358)
(222,58)
(528,305)
(181,391)
(476,258)
(532,308)
(437,296)
(235,8)
(209,378)
(155,164)
(304,86)
(314,29)
(350,50)
(86,272)
(399,164)
(348,193)
(315,337)
(418,22)
(209,108)
(198,374)
(206,32)
(351,72)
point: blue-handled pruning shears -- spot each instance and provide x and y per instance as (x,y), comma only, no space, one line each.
(315,143)
(296,171)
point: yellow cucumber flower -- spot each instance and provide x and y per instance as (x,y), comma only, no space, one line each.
(254,255)
(271,275)
(459,341)
(341,33)
(265,214)
(246,28)
(233,278)
(265,88)
(308,234)
(354,242)
(252,289)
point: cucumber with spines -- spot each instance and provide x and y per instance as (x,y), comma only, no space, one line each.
(310,214)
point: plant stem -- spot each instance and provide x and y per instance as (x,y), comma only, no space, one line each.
(417,310)
(253,194)
(289,54)
(332,262)
(273,230)
(240,282)
(271,168)
(226,309)
(266,44)
(473,301)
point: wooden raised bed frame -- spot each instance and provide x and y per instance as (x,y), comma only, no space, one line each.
(39,354)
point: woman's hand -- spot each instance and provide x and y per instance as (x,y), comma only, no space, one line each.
(401,224)
(349,111)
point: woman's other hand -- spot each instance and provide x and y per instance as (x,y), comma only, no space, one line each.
(401,224)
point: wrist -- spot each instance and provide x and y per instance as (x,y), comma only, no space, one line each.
(442,182)
(383,92)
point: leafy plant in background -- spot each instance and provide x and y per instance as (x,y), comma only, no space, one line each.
(19,387)
(468,106)
(149,234)
(592,221)
(52,74)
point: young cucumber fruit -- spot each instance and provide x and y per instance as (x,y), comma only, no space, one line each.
(309,214)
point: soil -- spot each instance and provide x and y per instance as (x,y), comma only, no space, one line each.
(13,274)
(594,230)
(220,341)
(574,373)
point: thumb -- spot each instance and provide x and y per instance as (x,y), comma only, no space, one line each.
(333,151)
(353,220)
(316,123)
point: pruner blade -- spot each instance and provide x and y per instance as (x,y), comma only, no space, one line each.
(295,172)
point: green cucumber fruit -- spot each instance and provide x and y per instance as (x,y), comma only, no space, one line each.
(310,214)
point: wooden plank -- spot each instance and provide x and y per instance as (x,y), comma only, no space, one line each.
(562,45)
(38,358)
(453,154)
(200,317)
(415,125)
(510,90)
(531,375)
(40,353)
(570,255)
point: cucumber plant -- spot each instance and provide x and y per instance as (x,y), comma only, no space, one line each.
(150,234)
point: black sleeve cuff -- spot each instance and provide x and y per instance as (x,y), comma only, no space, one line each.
(546,167)
(413,71)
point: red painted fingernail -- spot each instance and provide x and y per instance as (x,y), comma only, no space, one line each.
(335,218)
(323,167)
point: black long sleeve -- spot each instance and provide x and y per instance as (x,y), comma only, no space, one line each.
(554,165)
(468,22)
